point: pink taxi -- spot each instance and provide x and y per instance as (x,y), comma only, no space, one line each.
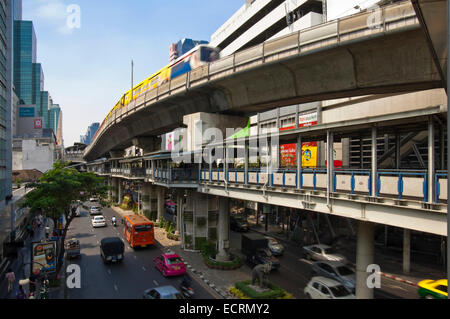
(170,265)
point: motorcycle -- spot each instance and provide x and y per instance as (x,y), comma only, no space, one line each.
(187,291)
(114,222)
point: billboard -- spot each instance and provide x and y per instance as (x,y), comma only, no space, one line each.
(37,123)
(43,257)
(26,111)
(289,159)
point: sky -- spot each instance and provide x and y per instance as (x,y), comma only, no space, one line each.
(87,60)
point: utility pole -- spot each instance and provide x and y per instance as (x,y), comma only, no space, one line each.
(132,78)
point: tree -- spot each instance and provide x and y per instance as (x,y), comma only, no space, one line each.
(58,189)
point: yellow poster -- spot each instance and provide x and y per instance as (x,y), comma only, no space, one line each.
(309,154)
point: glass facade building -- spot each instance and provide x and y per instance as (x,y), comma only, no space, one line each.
(24,57)
(92,129)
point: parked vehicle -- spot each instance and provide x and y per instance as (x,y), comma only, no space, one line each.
(433,289)
(170,265)
(326,288)
(98,221)
(337,271)
(112,250)
(72,248)
(93,199)
(95,210)
(238,222)
(275,247)
(256,250)
(164,292)
(322,252)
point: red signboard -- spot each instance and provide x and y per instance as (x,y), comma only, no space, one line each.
(37,123)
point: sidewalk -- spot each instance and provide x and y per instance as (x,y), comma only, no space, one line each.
(21,265)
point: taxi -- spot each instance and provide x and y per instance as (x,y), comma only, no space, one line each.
(433,289)
(170,265)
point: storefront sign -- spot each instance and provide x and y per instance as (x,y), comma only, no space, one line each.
(43,257)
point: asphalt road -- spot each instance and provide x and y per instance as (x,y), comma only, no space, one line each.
(295,273)
(127,280)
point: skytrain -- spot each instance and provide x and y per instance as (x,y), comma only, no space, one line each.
(198,56)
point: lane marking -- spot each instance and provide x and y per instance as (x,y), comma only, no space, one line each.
(143,268)
(135,257)
(109,271)
(116,288)
(155,282)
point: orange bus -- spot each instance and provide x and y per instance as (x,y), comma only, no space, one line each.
(138,230)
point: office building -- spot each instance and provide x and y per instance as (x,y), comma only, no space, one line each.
(92,129)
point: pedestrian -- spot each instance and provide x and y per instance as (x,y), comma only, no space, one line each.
(21,293)
(11,277)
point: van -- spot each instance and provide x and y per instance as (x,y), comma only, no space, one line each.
(112,250)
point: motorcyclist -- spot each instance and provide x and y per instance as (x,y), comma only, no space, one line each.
(186,281)
(114,220)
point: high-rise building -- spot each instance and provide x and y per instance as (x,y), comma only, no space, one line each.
(92,129)
(24,59)
(55,122)
(7,11)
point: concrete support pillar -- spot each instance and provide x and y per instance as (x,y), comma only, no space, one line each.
(330,165)
(120,191)
(406,251)
(146,197)
(431,161)
(246,160)
(374,162)
(364,257)
(223,229)
(398,159)
(161,193)
(298,154)
(180,198)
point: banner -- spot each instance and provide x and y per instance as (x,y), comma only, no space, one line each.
(43,257)
(289,159)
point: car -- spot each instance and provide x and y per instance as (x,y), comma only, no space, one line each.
(98,221)
(170,265)
(433,289)
(93,199)
(164,292)
(326,288)
(239,223)
(275,247)
(322,252)
(95,210)
(337,271)
(112,250)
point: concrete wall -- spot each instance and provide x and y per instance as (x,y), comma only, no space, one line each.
(34,155)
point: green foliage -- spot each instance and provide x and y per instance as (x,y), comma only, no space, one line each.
(19,182)
(59,187)
(274,293)
(200,242)
(212,232)
(207,249)
(188,240)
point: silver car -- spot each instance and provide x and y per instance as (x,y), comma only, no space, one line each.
(321,253)
(337,271)
(275,247)
(326,288)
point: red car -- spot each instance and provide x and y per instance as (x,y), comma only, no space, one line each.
(170,265)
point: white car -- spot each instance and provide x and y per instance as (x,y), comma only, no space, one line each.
(326,288)
(98,221)
(93,199)
(322,253)
(95,210)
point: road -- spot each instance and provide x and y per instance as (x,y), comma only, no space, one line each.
(127,280)
(295,273)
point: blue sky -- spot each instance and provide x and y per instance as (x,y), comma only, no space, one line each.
(88,69)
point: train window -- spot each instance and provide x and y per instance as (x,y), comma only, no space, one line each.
(208,54)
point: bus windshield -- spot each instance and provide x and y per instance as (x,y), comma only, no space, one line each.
(142,228)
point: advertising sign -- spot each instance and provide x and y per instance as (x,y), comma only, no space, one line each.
(26,111)
(43,257)
(37,123)
(307,119)
(289,158)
